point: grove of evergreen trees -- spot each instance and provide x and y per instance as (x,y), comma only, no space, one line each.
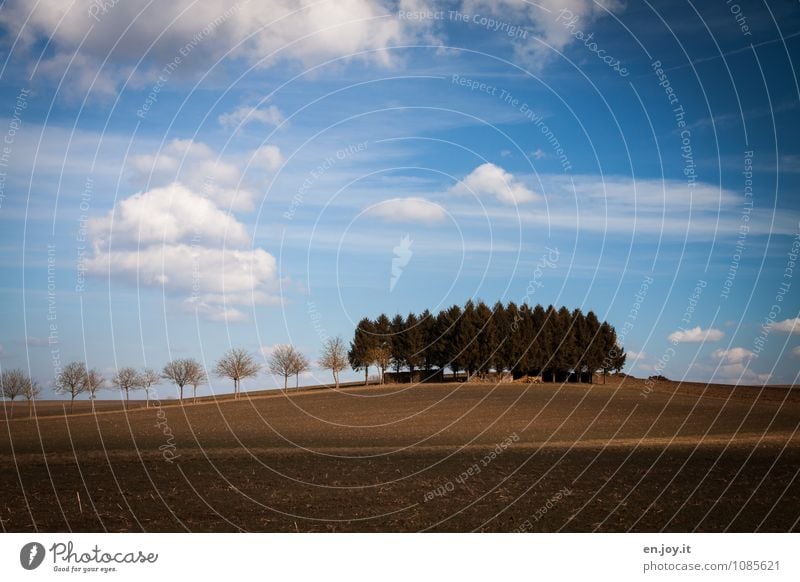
(557,344)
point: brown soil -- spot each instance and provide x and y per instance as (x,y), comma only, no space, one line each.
(627,456)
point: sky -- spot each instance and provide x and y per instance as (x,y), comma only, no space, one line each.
(180,178)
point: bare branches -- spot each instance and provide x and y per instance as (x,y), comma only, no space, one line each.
(92,382)
(237,364)
(334,357)
(70,380)
(12,384)
(181,372)
(299,365)
(146,380)
(197,377)
(281,362)
(126,380)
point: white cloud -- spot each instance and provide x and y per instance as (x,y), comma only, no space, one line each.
(216,273)
(215,312)
(266,351)
(171,214)
(787,325)
(409,210)
(546,19)
(796,352)
(202,33)
(179,240)
(634,356)
(537,154)
(733,355)
(696,335)
(267,157)
(245,115)
(490,180)
(739,373)
(36,342)
(202,170)
(622,206)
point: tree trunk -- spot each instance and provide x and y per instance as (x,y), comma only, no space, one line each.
(30,407)
(297,380)
(285,382)
(181,394)
(147,398)
(71,403)
(194,394)
(366,375)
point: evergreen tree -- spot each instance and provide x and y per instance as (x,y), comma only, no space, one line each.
(412,343)
(512,349)
(486,338)
(466,332)
(397,349)
(501,335)
(525,340)
(382,352)
(449,341)
(427,332)
(362,348)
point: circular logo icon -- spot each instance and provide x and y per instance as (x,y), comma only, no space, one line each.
(31,555)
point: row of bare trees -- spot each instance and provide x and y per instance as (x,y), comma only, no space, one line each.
(237,364)
(15,384)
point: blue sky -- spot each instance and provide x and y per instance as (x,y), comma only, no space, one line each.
(180,180)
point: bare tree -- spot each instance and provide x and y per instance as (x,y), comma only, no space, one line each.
(197,377)
(299,364)
(179,372)
(31,392)
(126,379)
(381,356)
(281,362)
(12,384)
(93,381)
(237,364)
(334,357)
(146,380)
(69,380)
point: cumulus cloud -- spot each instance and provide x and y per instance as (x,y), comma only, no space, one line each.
(787,325)
(633,355)
(796,352)
(201,33)
(490,180)
(733,355)
(696,335)
(245,115)
(195,164)
(217,273)
(739,373)
(267,157)
(409,210)
(171,214)
(547,19)
(181,241)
